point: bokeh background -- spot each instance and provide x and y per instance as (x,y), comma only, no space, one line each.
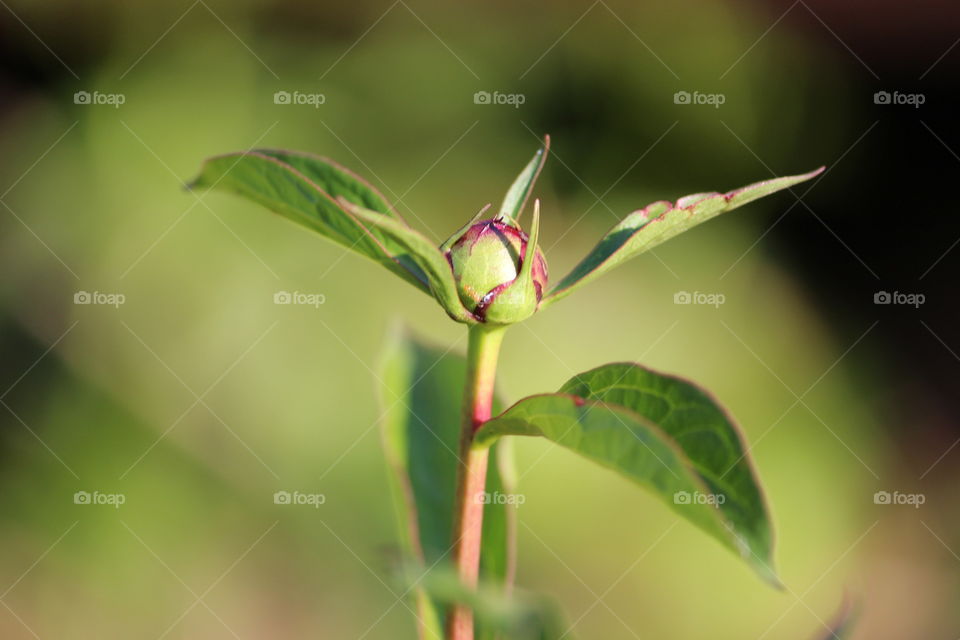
(197,398)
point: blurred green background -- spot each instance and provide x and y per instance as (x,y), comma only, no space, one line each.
(198,398)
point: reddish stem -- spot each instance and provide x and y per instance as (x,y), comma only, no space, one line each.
(482,354)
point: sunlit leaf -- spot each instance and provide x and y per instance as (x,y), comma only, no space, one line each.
(658,222)
(305,189)
(433,264)
(664,433)
(521,188)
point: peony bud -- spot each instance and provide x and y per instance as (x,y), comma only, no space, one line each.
(488,266)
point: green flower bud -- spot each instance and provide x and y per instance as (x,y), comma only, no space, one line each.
(487,262)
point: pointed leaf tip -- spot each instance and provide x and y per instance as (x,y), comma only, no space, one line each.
(660,221)
(664,433)
(516,197)
(530,253)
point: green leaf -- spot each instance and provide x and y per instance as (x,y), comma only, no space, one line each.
(708,436)
(508,614)
(664,433)
(423,387)
(658,222)
(428,257)
(305,189)
(520,190)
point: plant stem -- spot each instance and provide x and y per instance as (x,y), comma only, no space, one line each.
(482,354)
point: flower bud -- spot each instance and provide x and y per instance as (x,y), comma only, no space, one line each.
(488,266)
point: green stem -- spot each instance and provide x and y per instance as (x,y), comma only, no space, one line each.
(482,354)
